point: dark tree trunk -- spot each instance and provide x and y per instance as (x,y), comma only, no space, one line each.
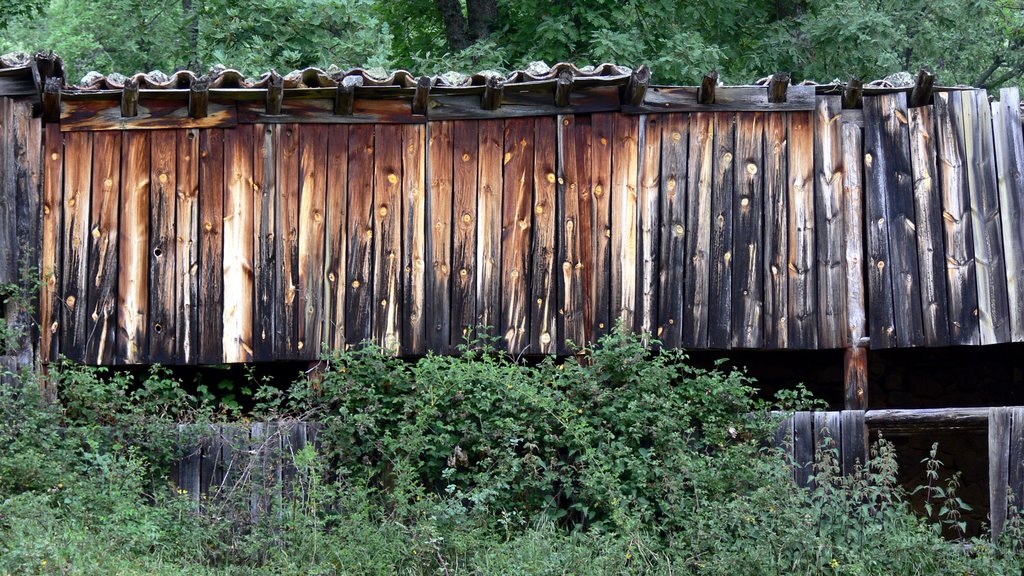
(482,16)
(454,24)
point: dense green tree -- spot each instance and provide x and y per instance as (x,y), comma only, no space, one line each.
(965,41)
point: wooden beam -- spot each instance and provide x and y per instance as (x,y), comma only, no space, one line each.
(853,94)
(922,93)
(51,100)
(199,98)
(491,98)
(422,95)
(778,86)
(130,98)
(563,87)
(855,381)
(706,93)
(927,419)
(275,94)
(345,97)
(636,89)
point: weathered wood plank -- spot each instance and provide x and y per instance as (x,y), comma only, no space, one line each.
(854,440)
(803,448)
(649,225)
(829,228)
(878,184)
(462,179)
(599,140)
(674,146)
(998,470)
(803,309)
(312,208)
(855,374)
(265,305)
(162,255)
(961,282)
(187,245)
(103,248)
(285,141)
(414,183)
(776,231)
(133,250)
(50,302)
(337,235)
(993,308)
(516,230)
(321,111)
(625,234)
(517,102)
(928,217)
(211,246)
(571,306)
(543,307)
(97,115)
(727,99)
(489,206)
(748,250)
(721,248)
(238,245)
(359,289)
(387,237)
(586,203)
(77,183)
(437,295)
(700,177)
(1009,148)
(1015,463)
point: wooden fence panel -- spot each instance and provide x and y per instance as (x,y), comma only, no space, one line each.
(77,197)
(828,221)
(313,144)
(387,238)
(132,281)
(358,290)
(462,179)
(413,230)
(101,331)
(747,329)
(516,231)
(803,309)
(698,225)
(599,140)
(1009,156)
(489,208)
(238,246)
(776,232)
(50,301)
(649,225)
(162,255)
(571,304)
(674,146)
(444,192)
(543,303)
(625,138)
(721,248)
(337,236)
(187,246)
(285,140)
(265,305)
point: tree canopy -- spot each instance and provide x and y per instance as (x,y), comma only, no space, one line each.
(975,42)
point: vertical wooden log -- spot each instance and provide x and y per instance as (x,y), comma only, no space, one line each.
(359,289)
(721,247)
(993,307)
(50,303)
(312,208)
(699,183)
(516,229)
(387,236)
(586,202)
(776,231)
(855,380)
(461,179)
(571,306)
(337,234)
(1009,148)
(285,142)
(625,235)
(803,326)
(489,206)
(103,248)
(238,249)
(649,222)
(543,302)
(599,141)
(211,246)
(928,214)
(961,285)
(437,296)
(133,249)
(878,189)
(162,275)
(998,470)
(265,305)
(187,245)
(675,139)
(414,182)
(828,214)
(748,250)
(77,182)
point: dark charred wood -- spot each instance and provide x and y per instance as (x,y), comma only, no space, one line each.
(706,93)
(345,97)
(491,98)
(636,89)
(199,98)
(922,93)
(422,95)
(778,86)
(855,378)
(853,94)
(563,88)
(275,94)
(130,98)
(51,100)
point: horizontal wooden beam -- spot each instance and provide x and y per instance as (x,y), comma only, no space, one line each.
(921,419)
(727,99)
(106,115)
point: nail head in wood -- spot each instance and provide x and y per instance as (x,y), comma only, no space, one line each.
(199,98)
(491,99)
(922,93)
(130,98)
(563,87)
(636,88)
(706,92)
(853,94)
(422,95)
(777,87)
(345,97)
(275,94)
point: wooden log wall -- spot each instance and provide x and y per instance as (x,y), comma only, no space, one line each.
(718,230)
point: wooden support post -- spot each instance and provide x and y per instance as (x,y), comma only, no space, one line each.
(51,100)
(922,93)
(706,92)
(853,94)
(998,470)
(275,94)
(422,96)
(563,87)
(491,98)
(777,87)
(636,89)
(855,375)
(345,97)
(199,97)
(130,98)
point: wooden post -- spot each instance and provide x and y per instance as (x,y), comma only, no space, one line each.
(199,97)
(706,92)
(563,87)
(491,98)
(130,98)
(422,95)
(853,94)
(855,374)
(51,100)
(275,94)
(345,97)
(922,93)
(777,87)
(636,89)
